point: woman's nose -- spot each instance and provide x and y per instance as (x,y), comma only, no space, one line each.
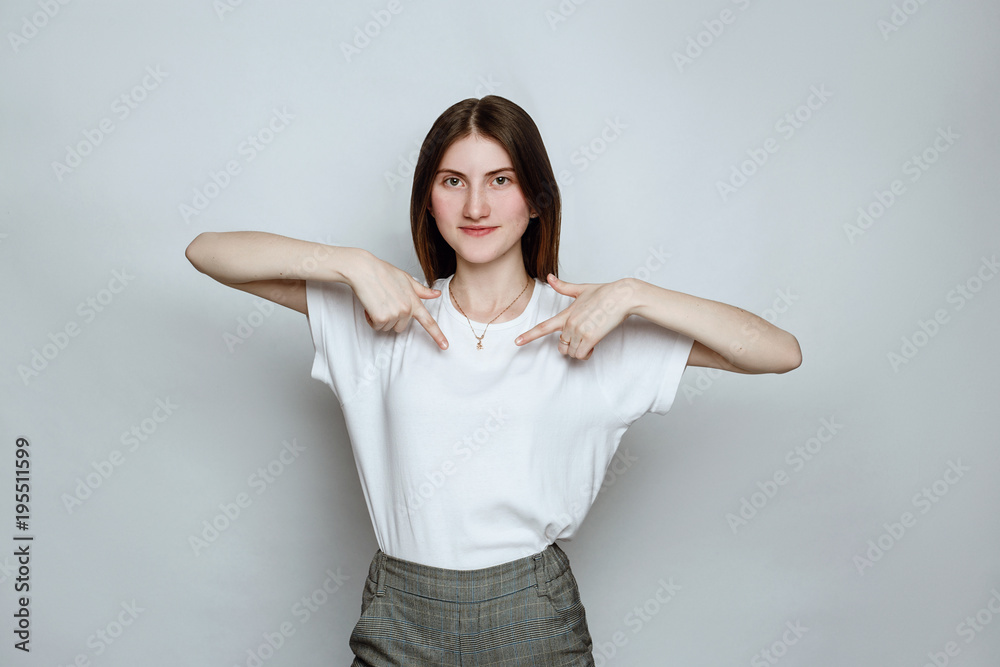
(476,204)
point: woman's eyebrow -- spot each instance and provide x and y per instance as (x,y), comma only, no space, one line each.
(458,173)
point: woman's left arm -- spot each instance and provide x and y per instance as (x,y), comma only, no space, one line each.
(725,336)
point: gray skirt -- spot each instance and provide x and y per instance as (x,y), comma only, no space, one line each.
(523,612)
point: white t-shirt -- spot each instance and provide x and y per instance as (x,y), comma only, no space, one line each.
(471,458)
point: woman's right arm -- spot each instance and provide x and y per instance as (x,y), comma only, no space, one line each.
(271,266)
(276,268)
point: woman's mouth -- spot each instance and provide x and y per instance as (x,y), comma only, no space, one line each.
(477,231)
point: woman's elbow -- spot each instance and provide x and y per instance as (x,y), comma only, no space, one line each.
(792,356)
(195,250)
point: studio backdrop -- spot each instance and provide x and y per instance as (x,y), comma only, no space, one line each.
(179,491)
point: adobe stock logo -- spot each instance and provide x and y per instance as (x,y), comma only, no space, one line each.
(407,164)
(926,330)
(29,28)
(122,106)
(381,19)
(223,7)
(423,489)
(915,167)
(698,43)
(105,468)
(230,511)
(970,626)
(899,17)
(88,309)
(586,154)
(562,13)
(704,378)
(768,489)
(249,149)
(247,326)
(787,125)
(923,500)
(302,610)
(779,648)
(636,620)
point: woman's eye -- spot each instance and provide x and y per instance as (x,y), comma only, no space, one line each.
(502,179)
(450,179)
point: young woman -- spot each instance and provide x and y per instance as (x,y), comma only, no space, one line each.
(480,439)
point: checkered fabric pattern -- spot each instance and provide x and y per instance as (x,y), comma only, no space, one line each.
(523,612)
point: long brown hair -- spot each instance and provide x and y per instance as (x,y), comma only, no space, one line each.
(509,125)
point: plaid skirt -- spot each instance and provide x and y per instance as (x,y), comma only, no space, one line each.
(523,612)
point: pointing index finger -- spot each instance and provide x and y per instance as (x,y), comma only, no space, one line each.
(539,330)
(427,322)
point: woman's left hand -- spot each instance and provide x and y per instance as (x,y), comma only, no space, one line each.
(597,309)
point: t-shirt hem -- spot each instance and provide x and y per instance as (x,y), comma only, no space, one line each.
(667,394)
(316,313)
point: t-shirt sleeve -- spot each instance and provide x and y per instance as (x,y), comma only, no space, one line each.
(345,343)
(639,366)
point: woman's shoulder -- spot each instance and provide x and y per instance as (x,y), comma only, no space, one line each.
(549,298)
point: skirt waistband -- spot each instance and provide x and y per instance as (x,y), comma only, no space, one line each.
(468,585)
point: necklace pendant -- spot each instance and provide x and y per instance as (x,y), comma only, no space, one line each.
(479,345)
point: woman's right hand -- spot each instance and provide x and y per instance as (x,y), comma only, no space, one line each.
(392,297)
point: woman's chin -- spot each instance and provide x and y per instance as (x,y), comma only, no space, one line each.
(478,258)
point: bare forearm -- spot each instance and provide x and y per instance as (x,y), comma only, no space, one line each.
(242,257)
(745,340)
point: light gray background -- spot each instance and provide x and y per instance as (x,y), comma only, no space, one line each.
(779,240)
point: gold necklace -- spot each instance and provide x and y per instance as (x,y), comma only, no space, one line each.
(479,339)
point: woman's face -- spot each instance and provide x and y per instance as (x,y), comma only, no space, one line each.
(476,201)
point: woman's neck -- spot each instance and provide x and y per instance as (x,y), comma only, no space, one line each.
(482,296)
